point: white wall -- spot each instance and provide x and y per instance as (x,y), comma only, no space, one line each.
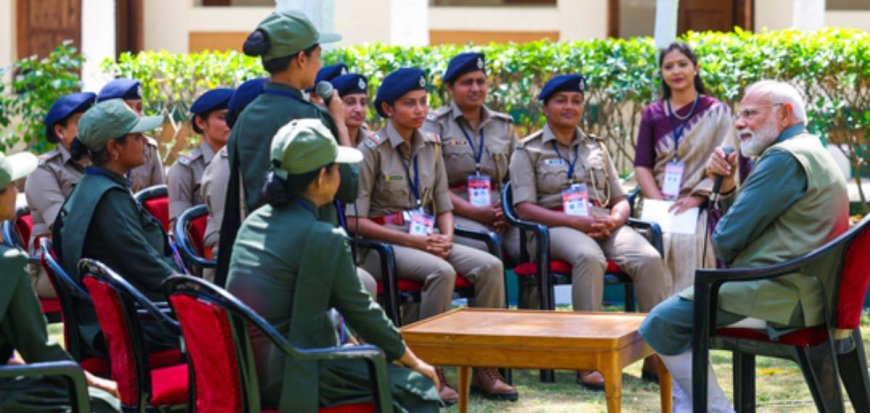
(166,25)
(224,19)
(773,14)
(98,40)
(581,20)
(7,33)
(512,19)
(361,22)
(852,19)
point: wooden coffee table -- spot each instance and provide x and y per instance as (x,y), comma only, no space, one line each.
(534,339)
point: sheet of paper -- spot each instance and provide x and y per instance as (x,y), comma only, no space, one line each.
(657,211)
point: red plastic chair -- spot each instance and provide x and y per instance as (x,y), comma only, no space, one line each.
(155,200)
(823,352)
(17,234)
(119,306)
(556,272)
(190,238)
(394,291)
(70,296)
(215,327)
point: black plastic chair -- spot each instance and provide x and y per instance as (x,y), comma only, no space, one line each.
(155,199)
(216,327)
(189,233)
(823,352)
(550,273)
(72,375)
(394,292)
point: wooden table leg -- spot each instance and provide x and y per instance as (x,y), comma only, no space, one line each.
(612,383)
(464,386)
(665,387)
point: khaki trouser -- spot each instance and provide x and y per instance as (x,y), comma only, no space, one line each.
(439,275)
(368,282)
(510,238)
(588,260)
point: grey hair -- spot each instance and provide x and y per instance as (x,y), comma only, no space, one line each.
(781,92)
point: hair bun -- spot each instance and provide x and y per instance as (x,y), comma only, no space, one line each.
(257,44)
(77,149)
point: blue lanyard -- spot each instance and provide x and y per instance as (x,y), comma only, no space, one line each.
(305,206)
(342,220)
(479,152)
(285,94)
(570,163)
(415,185)
(678,129)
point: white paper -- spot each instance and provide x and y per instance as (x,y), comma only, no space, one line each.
(657,211)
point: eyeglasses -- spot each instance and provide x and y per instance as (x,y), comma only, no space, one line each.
(750,113)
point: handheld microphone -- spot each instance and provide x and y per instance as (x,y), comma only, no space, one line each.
(325,90)
(717,184)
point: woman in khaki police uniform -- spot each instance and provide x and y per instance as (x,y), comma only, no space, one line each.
(151,172)
(477,143)
(291,267)
(58,173)
(22,326)
(209,120)
(403,200)
(563,178)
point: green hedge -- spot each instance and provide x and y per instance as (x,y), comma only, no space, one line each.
(831,67)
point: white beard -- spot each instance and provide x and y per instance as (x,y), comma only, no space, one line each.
(759,140)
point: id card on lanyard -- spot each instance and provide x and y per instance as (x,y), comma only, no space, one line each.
(575,200)
(422,223)
(479,187)
(673,179)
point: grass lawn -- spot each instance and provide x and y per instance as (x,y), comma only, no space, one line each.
(779,386)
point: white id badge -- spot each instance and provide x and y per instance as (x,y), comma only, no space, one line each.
(575,200)
(479,187)
(673,179)
(421,223)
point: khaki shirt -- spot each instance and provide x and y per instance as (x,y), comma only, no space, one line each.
(384,183)
(539,174)
(150,173)
(213,191)
(459,157)
(47,187)
(183,180)
(361,134)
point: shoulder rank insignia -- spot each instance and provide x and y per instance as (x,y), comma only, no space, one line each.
(184,160)
(374,140)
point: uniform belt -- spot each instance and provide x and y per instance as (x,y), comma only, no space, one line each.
(459,188)
(391,219)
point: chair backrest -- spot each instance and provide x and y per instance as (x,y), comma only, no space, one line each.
(115,302)
(16,233)
(854,276)
(155,199)
(190,236)
(217,341)
(70,294)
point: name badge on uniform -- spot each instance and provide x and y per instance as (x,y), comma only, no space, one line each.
(575,200)
(554,162)
(479,187)
(673,179)
(422,223)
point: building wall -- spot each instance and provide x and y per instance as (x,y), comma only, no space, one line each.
(852,19)
(7,32)
(493,24)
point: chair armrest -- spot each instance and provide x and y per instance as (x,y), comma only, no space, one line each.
(183,242)
(71,372)
(390,275)
(493,243)
(654,231)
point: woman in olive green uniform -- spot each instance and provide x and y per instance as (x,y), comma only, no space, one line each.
(404,200)
(563,178)
(101,220)
(291,267)
(22,326)
(478,143)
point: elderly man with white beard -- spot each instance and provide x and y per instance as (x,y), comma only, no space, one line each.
(794,201)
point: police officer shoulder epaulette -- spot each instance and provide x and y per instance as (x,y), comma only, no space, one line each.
(151,141)
(374,140)
(440,112)
(185,159)
(503,116)
(44,158)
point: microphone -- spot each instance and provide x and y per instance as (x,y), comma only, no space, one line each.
(325,90)
(717,184)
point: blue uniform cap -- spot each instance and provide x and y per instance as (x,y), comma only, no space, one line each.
(396,84)
(64,108)
(121,88)
(209,101)
(562,83)
(464,63)
(350,84)
(242,97)
(330,72)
